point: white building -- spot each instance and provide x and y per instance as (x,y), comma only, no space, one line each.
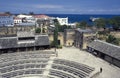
(24,20)
(63,21)
(24,16)
(27,18)
(43,18)
(17,20)
(6,20)
(73,25)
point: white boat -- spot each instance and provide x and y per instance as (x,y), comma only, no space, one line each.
(93,19)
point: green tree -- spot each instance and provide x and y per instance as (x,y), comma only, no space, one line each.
(100,23)
(111,39)
(55,42)
(61,28)
(115,22)
(83,24)
(37,30)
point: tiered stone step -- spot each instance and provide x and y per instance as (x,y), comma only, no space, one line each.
(41,64)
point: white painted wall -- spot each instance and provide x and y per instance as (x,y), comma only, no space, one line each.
(63,21)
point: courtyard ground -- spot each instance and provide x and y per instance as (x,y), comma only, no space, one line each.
(77,55)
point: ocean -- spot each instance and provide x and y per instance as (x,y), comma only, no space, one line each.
(80,17)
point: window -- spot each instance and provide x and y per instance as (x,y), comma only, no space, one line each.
(26,38)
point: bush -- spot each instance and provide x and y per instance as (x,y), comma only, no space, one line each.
(111,39)
(37,30)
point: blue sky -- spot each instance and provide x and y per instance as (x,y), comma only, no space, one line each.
(61,6)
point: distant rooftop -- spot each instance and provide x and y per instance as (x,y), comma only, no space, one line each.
(4,14)
(17,18)
(84,30)
(42,16)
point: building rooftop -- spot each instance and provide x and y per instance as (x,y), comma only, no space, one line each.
(41,16)
(23,41)
(106,48)
(84,30)
(25,34)
(4,14)
(17,18)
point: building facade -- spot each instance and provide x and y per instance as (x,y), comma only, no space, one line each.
(69,36)
(11,31)
(6,20)
(24,41)
(106,51)
(63,21)
(17,20)
(43,22)
(24,20)
(60,38)
(83,37)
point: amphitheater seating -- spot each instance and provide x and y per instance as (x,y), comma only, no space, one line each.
(70,70)
(25,55)
(22,72)
(79,66)
(17,65)
(24,62)
(60,74)
(23,66)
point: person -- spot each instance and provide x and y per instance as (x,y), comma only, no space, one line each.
(100,70)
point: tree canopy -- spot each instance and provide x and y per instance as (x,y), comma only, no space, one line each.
(61,28)
(103,23)
(37,30)
(111,39)
(55,42)
(115,22)
(82,24)
(100,23)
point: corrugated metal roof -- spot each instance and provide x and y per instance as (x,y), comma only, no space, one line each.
(106,48)
(13,42)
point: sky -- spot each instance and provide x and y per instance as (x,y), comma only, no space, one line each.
(61,6)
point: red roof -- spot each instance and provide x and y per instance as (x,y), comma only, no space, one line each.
(41,16)
(17,18)
(3,14)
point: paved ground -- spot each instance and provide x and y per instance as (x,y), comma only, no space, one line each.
(74,54)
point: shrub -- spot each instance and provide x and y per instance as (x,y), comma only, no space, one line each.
(37,30)
(111,39)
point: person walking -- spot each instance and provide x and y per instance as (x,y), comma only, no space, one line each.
(100,70)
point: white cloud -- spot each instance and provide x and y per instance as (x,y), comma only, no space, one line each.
(53,8)
(48,6)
